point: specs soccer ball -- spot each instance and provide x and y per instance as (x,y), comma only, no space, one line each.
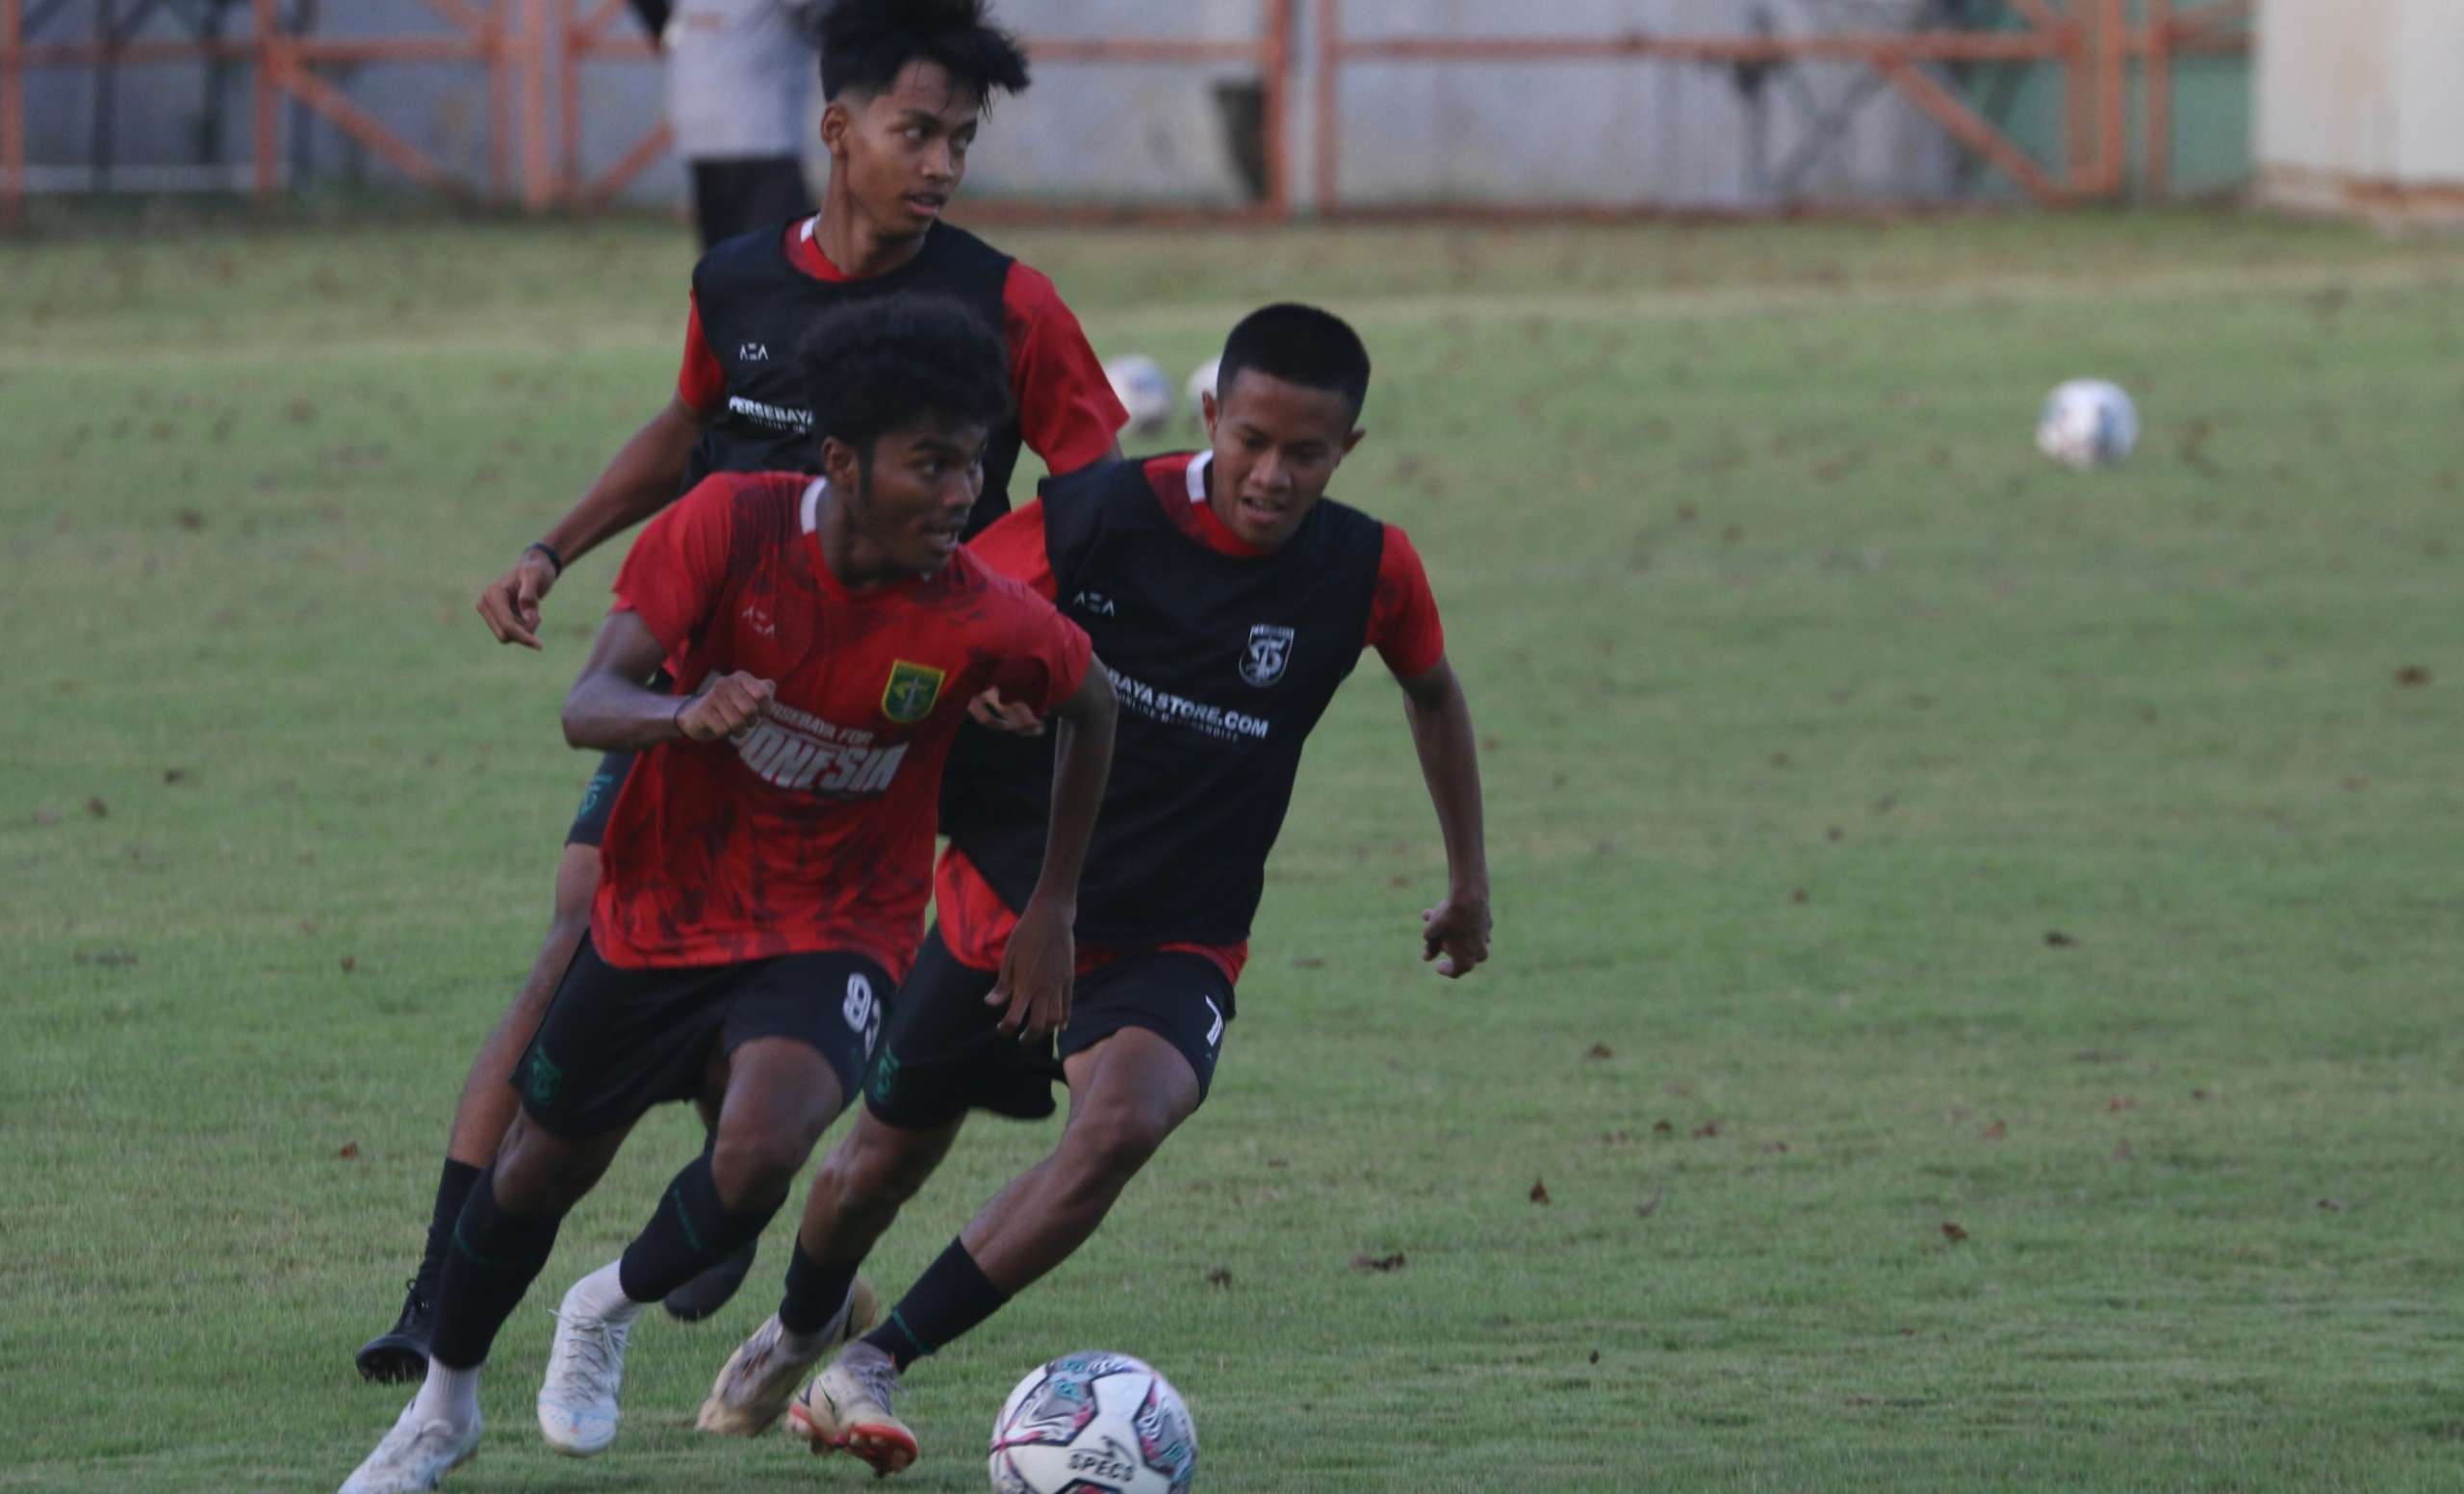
(2088,424)
(1093,1424)
(1143,388)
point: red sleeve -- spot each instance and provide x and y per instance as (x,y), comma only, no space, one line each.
(674,573)
(1402,618)
(1047,659)
(701,383)
(1015,547)
(1067,413)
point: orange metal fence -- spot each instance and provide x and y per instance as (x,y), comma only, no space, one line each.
(533,50)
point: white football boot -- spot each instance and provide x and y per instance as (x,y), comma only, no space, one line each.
(752,1392)
(846,1408)
(577,1409)
(414,1455)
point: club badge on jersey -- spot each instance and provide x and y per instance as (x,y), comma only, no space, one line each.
(1268,652)
(913,688)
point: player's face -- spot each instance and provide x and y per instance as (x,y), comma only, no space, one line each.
(1276,446)
(913,507)
(903,150)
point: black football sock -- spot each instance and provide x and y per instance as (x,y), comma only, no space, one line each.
(950,1297)
(816,1293)
(491,1260)
(452,1191)
(691,1232)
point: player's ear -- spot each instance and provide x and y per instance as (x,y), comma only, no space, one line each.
(838,464)
(1206,410)
(836,120)
(1353,439)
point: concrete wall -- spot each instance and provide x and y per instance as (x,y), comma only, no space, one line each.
(2361,105)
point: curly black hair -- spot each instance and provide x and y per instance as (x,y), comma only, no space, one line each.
(885,361)
(867,44)
(1300,344)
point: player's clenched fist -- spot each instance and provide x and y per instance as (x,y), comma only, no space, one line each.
(725,706)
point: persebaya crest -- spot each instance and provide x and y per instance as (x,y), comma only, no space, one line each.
(911,690)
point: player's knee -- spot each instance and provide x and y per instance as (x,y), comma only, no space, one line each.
(758,1166)
(1111,1141)
(874,1172)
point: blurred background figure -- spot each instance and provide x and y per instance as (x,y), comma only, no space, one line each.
(740,79)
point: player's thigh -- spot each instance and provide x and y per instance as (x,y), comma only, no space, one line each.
(799,1033)
(943,1053)
(1150,1025)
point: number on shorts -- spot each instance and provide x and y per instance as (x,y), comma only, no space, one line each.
(863,1013)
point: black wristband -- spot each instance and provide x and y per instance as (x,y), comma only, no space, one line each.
(555,561)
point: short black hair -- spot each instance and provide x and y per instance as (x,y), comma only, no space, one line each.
(885,361)
(865,44)
(1300,344)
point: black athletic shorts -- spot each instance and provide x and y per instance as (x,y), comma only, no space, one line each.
(598,799)
(944,1053)
(616,1042)
(739,195)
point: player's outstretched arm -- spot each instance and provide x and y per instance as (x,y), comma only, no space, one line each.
(1042,958)
(1456,933)
(610,709)
(640,480)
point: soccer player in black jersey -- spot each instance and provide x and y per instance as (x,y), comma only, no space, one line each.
(906,81)
(1228,599)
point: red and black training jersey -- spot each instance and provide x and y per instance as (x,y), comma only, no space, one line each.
(1223,660)
(755,296)
(814,829)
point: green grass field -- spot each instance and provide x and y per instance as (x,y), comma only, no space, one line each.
(1975,992)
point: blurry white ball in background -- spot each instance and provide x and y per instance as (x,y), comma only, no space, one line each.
(1139,384)
(2088,423)
(1201,384)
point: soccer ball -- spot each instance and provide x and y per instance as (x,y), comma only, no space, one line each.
(2086,424)
(1093,1423)
(1139,384)
(1201,384)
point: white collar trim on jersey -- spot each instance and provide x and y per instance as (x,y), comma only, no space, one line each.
(811,507)
(1197,476)
(807,229)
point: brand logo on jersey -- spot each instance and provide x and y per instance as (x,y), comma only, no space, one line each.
(1095,604)
(911,690)
(1269,650)
(760,622)
(792,749)
(752,352)
(777,417)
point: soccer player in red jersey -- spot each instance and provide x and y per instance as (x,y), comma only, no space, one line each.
(907,82)
(1229,600)
(768,861)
